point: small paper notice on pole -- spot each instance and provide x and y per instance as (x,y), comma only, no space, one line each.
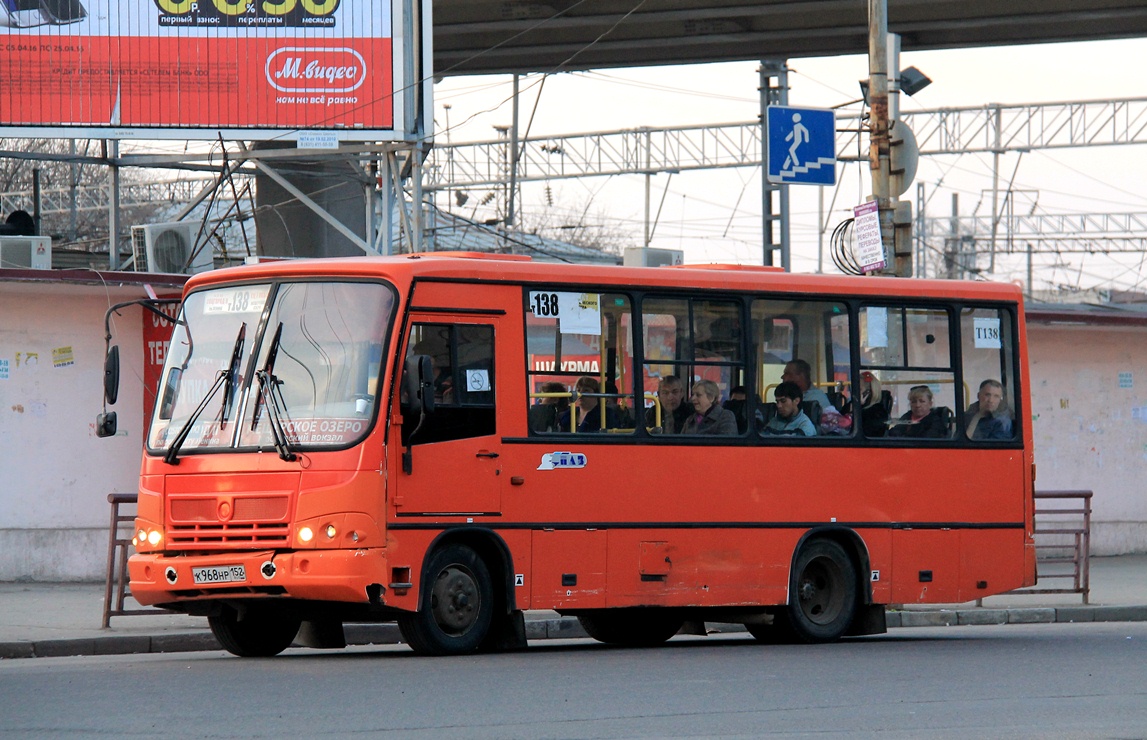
(318,140)
(869,245)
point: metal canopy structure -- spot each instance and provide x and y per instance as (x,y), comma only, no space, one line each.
(506,36)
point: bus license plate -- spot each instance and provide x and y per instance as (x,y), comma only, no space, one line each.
(220,574)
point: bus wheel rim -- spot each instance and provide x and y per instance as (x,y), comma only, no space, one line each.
(456,600)
(820,591)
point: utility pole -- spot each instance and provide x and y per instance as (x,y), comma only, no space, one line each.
(895,216)
(879,152)
(773,93)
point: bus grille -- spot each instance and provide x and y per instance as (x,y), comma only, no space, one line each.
(199,522)
(204,536)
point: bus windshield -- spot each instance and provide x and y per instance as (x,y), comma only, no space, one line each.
(290,365)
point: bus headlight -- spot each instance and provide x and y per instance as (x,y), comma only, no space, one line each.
(331,531)
(154,537)
(306,534)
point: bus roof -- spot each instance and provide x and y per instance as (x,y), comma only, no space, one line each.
(483,267)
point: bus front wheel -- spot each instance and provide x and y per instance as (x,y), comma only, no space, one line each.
(457,605)
(822,593)
(257,633)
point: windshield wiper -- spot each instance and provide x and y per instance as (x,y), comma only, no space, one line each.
(232,379)
(271,396)
(226,379)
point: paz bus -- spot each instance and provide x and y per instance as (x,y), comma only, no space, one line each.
(355,440)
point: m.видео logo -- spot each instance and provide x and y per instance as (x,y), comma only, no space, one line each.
(301,69)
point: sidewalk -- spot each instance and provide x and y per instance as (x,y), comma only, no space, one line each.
(59,619)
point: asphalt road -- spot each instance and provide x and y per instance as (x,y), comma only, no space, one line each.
(1054,680)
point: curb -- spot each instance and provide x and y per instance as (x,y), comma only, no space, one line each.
(559,628)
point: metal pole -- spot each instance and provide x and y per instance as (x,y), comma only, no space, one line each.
(36,198)
(779,94)
(648,186)
(513,158)
(878,154)
(73,186)
(918,234)
(111,154)
(820,230)
(995,193)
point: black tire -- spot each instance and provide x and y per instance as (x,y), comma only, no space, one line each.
(822,593)
(259,633)
(632,627)
(780,632)
(457,605)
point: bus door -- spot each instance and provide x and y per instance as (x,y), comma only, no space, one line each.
(453,463)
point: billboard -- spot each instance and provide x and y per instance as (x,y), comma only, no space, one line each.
(201,69)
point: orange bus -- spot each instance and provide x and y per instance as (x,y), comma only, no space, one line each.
(365,439)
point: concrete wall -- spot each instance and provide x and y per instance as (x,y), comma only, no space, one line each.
(56,474)
(1089,403)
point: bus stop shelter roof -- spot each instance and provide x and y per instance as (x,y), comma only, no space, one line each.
(502,36)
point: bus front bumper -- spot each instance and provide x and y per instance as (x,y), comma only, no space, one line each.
(313,575)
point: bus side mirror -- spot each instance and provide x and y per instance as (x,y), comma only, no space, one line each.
(111,375)
(106,424)
(417,393)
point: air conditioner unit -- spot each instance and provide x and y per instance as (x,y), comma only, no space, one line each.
(168,248)
(645,257)
(25,252)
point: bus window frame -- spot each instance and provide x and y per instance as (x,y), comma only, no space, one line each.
(555,374)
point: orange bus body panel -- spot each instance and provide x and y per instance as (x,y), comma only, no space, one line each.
(639,524)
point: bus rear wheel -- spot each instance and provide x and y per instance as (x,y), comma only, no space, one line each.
(457,605)
(631,627)
(257,633)
(822,593)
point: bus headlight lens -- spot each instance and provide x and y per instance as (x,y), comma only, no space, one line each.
(154,537)
(306,534)
(331,531)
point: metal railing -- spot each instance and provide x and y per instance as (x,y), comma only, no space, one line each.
(119,542)
(1063,542)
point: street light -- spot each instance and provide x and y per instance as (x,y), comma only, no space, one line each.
(911,81)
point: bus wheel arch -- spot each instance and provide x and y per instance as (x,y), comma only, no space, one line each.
(826,588)
(466,597)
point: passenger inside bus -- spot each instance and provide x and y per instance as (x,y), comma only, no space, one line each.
(674,413)
(789,417)
(543,415)
(616,401)
(875,406)
(588,407)
(922,421)
(988,416)
(708,416)
(800,372)
(738,404)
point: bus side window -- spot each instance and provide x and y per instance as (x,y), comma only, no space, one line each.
(906,350)
(463,360)
(805,342)
(688,339)
(986,344)
(572,335)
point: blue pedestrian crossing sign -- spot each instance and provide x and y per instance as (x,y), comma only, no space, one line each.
(801,145)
